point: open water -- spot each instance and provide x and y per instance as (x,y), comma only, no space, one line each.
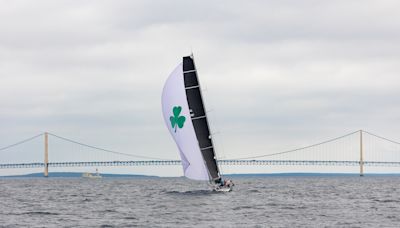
(178,202)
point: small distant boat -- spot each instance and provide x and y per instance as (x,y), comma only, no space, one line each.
(92,176)
(186,119)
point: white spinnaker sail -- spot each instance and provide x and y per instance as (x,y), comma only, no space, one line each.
(178,120)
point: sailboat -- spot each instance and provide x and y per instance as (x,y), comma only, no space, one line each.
(186,119)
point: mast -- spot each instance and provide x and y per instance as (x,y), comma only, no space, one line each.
(199,118)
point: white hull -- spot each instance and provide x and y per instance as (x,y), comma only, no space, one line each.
(91,176)
(223,189)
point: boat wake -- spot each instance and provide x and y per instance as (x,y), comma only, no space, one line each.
(192,192)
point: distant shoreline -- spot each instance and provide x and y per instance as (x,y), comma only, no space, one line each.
(76,175)
(79,175)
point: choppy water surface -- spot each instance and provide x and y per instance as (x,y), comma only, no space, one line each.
(177,202)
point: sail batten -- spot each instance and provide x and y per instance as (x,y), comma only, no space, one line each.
(192,87)
(199,117)
(205,148)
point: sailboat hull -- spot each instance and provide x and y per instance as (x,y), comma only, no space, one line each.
(223,189)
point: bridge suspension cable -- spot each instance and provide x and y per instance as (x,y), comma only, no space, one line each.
(105,150)
(21,142)
(383,138)
(298,149)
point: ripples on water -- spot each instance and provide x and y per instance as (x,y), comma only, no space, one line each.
(178,202)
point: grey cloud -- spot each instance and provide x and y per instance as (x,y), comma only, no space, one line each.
(275,73)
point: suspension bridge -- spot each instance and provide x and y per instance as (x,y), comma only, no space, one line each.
(359,148)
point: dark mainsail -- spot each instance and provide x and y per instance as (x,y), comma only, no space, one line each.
(199,117)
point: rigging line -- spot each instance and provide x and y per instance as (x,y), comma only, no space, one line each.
(105,150)
(294,150)
(21,142)
(382,138)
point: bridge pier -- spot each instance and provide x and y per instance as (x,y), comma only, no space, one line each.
(46,154)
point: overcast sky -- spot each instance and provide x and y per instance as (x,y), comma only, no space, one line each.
(276,74)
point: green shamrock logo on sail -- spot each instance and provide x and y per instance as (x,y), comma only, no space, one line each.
(177,120)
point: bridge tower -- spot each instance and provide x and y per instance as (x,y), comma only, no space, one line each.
(46,154)
(361,155)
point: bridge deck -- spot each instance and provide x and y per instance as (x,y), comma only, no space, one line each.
(221,162)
